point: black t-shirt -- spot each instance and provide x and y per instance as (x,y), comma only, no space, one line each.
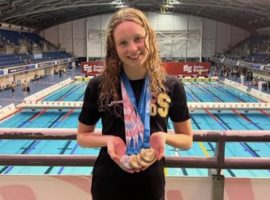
(109,180)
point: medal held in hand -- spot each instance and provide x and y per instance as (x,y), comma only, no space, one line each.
(148,155)
(137,126)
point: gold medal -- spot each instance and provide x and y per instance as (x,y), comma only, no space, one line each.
(148,155)
(133,162)
(141,162)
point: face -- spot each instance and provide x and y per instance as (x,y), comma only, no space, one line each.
(131,45)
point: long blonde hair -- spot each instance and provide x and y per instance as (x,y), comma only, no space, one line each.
(112,71)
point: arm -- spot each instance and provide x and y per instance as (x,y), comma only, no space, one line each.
(182,138)
(87,137)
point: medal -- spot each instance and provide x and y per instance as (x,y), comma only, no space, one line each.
(139,155)
(148,155)
(142,163)
(125,160)
(133,162)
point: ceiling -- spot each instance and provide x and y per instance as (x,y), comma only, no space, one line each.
(41,14)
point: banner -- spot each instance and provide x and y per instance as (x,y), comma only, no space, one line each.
(187,68)
(92,68)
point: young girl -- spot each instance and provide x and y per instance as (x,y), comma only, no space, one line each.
(134,99)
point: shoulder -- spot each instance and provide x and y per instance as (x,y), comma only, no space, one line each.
(172,81)
(174,87)
(95,82)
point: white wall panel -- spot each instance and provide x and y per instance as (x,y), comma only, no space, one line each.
(153,18)
(171,29)
(237,35)
(209,37)
(79,37)
(165,22)
(66,36)
(51,34)
(105,19)
(93,22)
(180,22)
(194,23)
(223,37)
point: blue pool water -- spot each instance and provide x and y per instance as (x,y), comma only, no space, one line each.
(201,120)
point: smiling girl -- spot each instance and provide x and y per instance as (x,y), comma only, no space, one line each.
(134,99)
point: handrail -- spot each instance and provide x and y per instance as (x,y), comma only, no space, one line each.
(172,162)
(218,161)
(198,135)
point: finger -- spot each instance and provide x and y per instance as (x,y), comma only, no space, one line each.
(126,169)
(161,153)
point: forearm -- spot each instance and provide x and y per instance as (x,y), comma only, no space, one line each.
(182,137)
(93,139)
(179,140)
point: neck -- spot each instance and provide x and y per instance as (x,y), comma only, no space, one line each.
(135,73)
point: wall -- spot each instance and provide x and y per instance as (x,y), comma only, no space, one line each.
(178,35)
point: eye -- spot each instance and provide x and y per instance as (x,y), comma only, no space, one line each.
(123,43)
(138,39)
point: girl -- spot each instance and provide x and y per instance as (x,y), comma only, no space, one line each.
(133,98)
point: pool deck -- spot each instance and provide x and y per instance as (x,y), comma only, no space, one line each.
(6,96)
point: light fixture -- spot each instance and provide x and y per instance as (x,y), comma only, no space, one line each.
(166,6)
(118,4)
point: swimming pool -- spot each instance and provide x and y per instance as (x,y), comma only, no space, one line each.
(201,120)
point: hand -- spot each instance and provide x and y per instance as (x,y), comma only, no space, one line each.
(116,148)
(158,142)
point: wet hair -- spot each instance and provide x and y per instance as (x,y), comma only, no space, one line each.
(112,71)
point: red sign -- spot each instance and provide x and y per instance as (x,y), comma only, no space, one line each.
(92,68)
(187,68)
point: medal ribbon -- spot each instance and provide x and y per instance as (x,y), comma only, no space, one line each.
(136,118)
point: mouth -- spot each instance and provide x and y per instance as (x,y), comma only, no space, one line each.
(134,57)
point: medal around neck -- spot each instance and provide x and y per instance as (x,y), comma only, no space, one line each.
(137,126)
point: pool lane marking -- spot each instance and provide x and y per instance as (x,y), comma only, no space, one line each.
(63,150)
(32,117)
(204,149)
(230,93)
(226,127)
(195,122)
(211,93)
(62,117)
(244,144)
(196,97)
(64,90)
(247,119)
(265,113)
(70,91)
(218,120)
(26,150)
(56,121)
(72,152)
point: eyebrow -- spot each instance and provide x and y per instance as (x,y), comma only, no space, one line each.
(136,35)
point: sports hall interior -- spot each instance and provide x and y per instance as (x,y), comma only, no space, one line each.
(219,50)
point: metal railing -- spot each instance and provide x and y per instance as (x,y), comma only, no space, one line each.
(218,161)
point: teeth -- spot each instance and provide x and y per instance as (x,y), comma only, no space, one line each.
(134,57)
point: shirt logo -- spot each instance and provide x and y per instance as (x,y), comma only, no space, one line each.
(160,105)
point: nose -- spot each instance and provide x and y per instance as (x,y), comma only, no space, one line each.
(132,47)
